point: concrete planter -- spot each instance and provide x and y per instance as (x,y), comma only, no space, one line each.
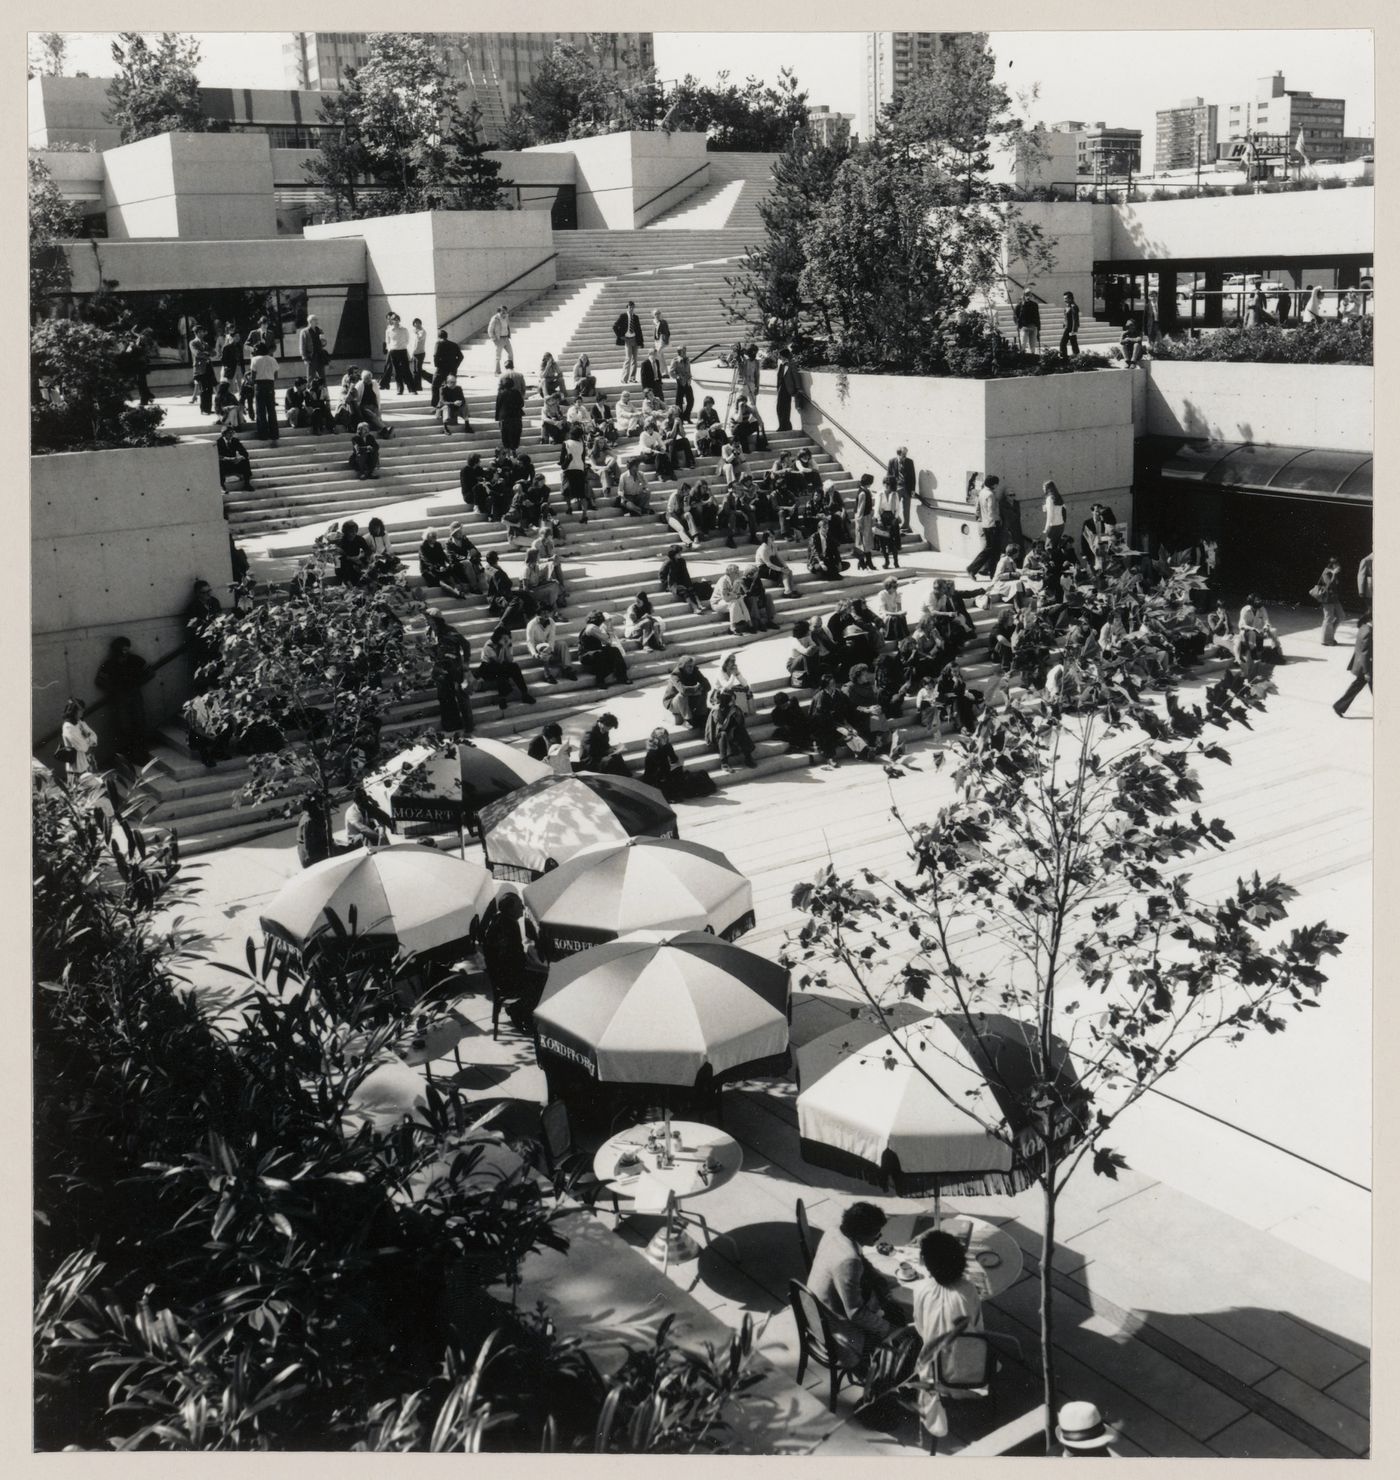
(1076,429)
(117,540)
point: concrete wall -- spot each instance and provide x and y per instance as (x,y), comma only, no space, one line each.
(1296,224)
(433,264)
(1070,228)
(70,110)
(1281,405)
(117,540)
(212,187)
(619,175)
(78,176)
(1076,429)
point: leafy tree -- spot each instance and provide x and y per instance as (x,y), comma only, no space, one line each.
(888,268)
(755,117)
(53,219)
(397,139)
(1053,893)
(155,90)
(81,368)
(314,675)
(767,288)
(950,114)
(574,96)
(48,52)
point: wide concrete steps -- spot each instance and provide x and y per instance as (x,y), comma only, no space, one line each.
(728,205)
(597,254)
(541,325)
(1052,323)
(200,803)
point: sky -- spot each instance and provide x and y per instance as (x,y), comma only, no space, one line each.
(1119,77)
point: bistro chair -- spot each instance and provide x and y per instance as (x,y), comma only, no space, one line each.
(816,1344)
(806,1241)
(966,1368)
(571,1168)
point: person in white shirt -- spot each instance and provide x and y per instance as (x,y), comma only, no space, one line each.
(945,1303)
(543,640)
(498,331)
(263,370)
(1054,511)
(418,351)
(771,566)
(396,342)
(78,739)
(633,491)
(989,523)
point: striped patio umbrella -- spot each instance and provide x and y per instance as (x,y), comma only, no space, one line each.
(658,1008)
(449,783)
(642,884)
(406,898)
(863,1110)
(547,822)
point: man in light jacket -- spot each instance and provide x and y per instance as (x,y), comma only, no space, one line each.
(396,342)
(498,331)
(311,346)
(989,523)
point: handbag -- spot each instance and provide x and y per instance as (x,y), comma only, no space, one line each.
(65,755)
(1318,592)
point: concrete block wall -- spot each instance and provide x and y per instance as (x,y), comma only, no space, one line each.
(619,175)
(1282,405)
(1296,224)
(213,187)
(1073,231)
(117,540)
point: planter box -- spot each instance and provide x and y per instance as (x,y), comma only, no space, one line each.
(1076,429)
(117,540)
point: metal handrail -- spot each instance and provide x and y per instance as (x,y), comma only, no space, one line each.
(671,187)
(487,297)
(816,405)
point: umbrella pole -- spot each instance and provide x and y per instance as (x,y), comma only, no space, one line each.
(462,837)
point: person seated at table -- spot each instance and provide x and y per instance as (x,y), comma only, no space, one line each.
(842,1279)
(945,1302)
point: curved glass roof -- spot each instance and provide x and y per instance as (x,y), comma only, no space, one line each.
(1296,472)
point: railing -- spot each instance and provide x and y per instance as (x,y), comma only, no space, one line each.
(487,297)
(671,187)
(875,457)
(102,703)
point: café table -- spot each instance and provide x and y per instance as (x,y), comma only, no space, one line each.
(699,1159)
(994,1261)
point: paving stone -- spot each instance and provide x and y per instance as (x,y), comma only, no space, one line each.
(1253,1437)
(1354,1390)
(1321,1411)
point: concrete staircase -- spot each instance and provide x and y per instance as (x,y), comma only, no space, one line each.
(605,254)
(738,183)
(1093,334)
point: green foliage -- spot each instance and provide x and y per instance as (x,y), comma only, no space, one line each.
(756,117)
(1346,341)
(155,90)
(320,667)
(397,139)
(769,278)
(573,95)
(949,116)
(48,51)
(228,1258)
(52,219)
(79,365)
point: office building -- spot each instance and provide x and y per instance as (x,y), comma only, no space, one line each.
(892,59)
(828,127)
(1185,134)
(1283,113)
(495,67)
(1100,151)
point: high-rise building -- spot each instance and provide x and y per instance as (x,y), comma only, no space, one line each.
(495,67)
(1185,134)
(1285,112)
(1102,151)
(892,59)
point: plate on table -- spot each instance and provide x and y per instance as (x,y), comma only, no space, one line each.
(906,1274)
(988,1258)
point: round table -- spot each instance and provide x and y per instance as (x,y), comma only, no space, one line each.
(703,1159)
(1003,1269)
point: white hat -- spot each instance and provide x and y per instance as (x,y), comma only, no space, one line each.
(1081,1426)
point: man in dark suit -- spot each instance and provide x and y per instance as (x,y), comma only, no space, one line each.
(908,481)
(627,329)
(447,357)
(788,387)
(1359,666)
(1069,338)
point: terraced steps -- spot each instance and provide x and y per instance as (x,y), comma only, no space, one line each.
(1092,332)
(737,183)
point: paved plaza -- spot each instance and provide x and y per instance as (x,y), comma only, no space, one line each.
(1215,1298)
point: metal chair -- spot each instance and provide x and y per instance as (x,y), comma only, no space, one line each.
(966,1367)
(571,1168)
(816,1343)
(806,1242)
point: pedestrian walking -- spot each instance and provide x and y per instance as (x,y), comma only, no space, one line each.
(1359,666)
(1054,508)
(417,353)
(1069,336)
(396,363)
(1327,595)
(498,331)
(202,365)
(1027,316)
(627,329)
(989,525)
(264,372)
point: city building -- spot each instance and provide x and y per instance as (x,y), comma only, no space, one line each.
(495,67)
(1102,151)
(1186,134)
(828,127)
(1279,111)
(892,59)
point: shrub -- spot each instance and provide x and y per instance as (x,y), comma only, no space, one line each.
(80,365)
(1331,342)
